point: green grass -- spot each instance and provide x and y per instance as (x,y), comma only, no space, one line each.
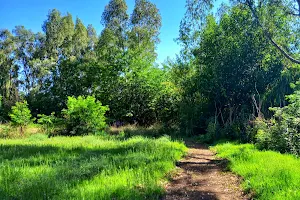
(86,167)
(269,175)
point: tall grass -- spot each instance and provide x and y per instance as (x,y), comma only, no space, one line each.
(86,167)
(269,175)
(7,131)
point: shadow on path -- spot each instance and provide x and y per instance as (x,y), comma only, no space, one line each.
(202,176)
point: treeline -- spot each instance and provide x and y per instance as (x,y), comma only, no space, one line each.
(68,59)
(235,65)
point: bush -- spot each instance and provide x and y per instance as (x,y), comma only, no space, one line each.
(211,131)
(48,122)
(282,132)
(288,123)
(84,115)
(20,115)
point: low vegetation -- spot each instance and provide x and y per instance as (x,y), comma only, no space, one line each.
(267,174)
(87,167)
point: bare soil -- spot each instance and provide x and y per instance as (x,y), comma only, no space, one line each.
(202,176)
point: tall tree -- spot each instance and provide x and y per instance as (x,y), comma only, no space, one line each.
(145,28)
(92,41)
(67,28)
(8,72)
(54,37)
(112,42)
(111,52)
(80,39)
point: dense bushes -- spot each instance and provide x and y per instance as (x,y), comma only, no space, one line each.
(84,115)
(49,123)
(282,132)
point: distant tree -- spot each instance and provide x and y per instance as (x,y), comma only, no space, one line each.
(67,28)
(9,71)
(145,25)
(92,42)
(20,115)
(80,39)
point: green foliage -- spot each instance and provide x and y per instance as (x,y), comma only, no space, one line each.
(86,167)
(84,115)
(212,131)
(48,122)
(1,109)
(267,175)
(281,133)
(287,123)
(20,115)
(6,131)
(234,70)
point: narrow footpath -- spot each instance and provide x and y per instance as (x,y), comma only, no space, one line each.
(202,176)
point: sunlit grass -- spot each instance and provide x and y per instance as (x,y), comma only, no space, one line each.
(86,167)
(269,175)
(11,132)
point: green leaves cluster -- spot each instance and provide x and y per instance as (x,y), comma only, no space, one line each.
(287,125)
(49,123)
(84,115)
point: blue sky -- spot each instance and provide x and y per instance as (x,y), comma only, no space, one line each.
(32,14)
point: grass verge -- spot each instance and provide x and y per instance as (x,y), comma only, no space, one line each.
(267,174)
(86,167)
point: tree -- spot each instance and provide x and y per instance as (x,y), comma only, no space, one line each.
(235,66)
(92,42)
(67,28)
(20,115)
(8,72)
(54,34)
(80,39)
(279,21)
(145,25)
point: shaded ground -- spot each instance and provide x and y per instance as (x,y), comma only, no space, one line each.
(201,176)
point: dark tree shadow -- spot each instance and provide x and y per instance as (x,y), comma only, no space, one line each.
(68,167)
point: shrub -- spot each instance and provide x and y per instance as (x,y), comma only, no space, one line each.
(20,115)
(211,131)
(48,122)
(282,132)
(288,123)
(84,115)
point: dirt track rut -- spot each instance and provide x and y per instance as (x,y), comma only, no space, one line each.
(201,176)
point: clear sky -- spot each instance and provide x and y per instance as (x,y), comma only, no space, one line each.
(32,14)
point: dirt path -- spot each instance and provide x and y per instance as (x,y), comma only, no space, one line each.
(202,176)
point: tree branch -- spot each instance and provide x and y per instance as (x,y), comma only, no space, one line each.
(268,35)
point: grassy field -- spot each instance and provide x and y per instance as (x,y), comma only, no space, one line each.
(269,175)
(86,167)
